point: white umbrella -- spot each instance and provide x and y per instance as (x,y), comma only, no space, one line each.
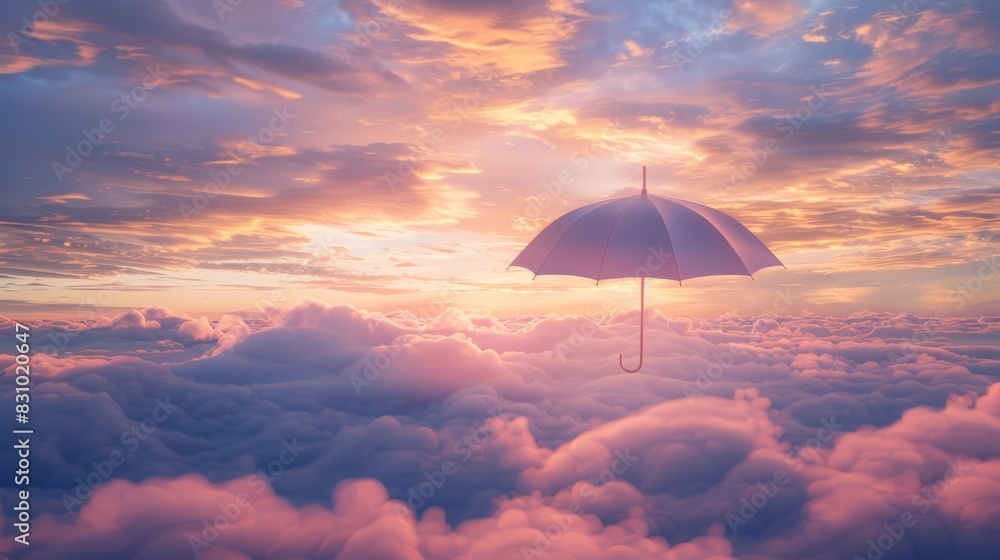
(642,235)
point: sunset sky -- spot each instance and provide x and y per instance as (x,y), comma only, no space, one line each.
(255,280)
(399,154)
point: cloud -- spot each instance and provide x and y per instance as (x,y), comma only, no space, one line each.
(521,36)
(409,114)
(798,436)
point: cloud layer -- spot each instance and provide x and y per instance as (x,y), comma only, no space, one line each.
(328,431)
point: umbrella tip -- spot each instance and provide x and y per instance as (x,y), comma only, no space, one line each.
(643,179)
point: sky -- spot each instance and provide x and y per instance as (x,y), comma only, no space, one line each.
(230,156)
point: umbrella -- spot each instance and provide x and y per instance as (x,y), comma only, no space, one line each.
(645,235)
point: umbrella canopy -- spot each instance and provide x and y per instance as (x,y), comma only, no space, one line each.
(645,235)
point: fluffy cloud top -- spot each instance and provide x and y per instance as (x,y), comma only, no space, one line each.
(328,431)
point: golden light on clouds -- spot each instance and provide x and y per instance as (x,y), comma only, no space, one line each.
(445,134)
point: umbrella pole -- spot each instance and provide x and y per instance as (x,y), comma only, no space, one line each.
(642,325)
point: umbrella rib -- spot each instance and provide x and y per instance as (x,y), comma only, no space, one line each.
(738,255)
(724,236)
(610,233)
(677,266)
(563,234)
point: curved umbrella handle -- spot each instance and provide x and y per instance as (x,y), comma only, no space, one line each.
(642,324)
